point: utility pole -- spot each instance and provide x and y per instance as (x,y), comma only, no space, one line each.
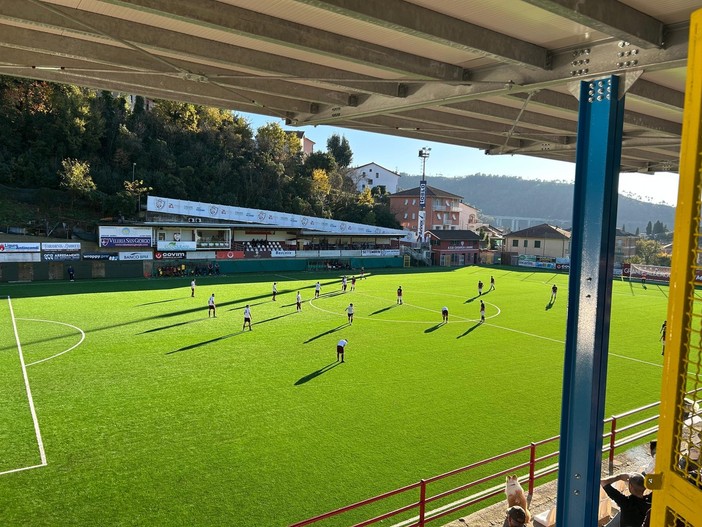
(421,219)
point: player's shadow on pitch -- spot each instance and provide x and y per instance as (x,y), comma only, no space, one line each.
(204,343)
(272,318)
(244,305)
(550,304)
(434,328)
(383,310)
(469,330)
(310,376)
(472,299)
(170,326)
(159,302)
(337,328)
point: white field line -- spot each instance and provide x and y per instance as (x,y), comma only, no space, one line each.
(82,338)
(534,335)
(21,469)
(30,399)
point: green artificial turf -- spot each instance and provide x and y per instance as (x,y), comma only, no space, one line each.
(163,416)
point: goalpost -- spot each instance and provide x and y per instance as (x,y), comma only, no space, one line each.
(655,273)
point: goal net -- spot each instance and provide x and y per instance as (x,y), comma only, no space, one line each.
(654,273)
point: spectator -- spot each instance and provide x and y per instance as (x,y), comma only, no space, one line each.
(516,517)
(633,506)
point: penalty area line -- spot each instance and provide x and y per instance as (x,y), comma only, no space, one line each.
(30,399)
(21,469)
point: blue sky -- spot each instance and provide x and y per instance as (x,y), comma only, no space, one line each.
(401,155)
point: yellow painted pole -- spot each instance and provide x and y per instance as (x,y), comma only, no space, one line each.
(675,497)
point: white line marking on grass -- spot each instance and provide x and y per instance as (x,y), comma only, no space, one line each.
(82,338)
(438,312)
(37,431)
(21,469)
(558,341)
(635,360)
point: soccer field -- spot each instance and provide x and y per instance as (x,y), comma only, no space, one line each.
(151,413)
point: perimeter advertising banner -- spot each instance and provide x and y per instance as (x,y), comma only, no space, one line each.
(176,246)
(100,256)
(125,237)
(7,247)
(215,212)
(230,255)
(65,246)
(20,257)
(61,257)
(135,255)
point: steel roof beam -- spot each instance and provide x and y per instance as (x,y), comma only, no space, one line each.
(611,18)
(239,21)
(596,61)
(158,42)
(433,26)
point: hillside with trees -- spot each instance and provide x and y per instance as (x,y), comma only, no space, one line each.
(551,200)
(72,153)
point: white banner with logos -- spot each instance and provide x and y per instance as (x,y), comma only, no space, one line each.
(61,257)
(20,257)
(215,212)
(380,252)
(136,255)
(11,247)
(67,246)
(115,236)
(176,246)
(283,254)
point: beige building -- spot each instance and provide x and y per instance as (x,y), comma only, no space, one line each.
(539,240)
(624,245)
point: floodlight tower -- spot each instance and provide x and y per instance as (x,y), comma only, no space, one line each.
(423,155)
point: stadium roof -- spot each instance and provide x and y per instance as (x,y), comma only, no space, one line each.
(431,191)
(540,231)
(498,76)
(446,234)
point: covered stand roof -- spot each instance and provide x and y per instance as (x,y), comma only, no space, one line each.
(498,76)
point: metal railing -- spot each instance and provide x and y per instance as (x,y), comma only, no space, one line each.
(531,462)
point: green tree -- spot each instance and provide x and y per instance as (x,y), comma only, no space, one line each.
(366,198)
(638,232)
(649,228)
(75,177)
(647,251)
(340,149)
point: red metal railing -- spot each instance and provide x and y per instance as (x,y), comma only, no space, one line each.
(533,469)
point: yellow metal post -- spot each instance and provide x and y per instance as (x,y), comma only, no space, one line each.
(677,482)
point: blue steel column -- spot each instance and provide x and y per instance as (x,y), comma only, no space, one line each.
(589,301)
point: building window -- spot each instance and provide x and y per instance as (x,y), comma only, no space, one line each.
(413,216)
(526,243)
(515,243)
(406,201)
(414,202)
(537,244)
(377,176)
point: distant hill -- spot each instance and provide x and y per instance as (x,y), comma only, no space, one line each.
(513,197)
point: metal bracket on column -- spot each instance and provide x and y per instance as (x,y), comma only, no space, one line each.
(598,156)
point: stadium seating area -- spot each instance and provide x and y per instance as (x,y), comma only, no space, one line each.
(267,246)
